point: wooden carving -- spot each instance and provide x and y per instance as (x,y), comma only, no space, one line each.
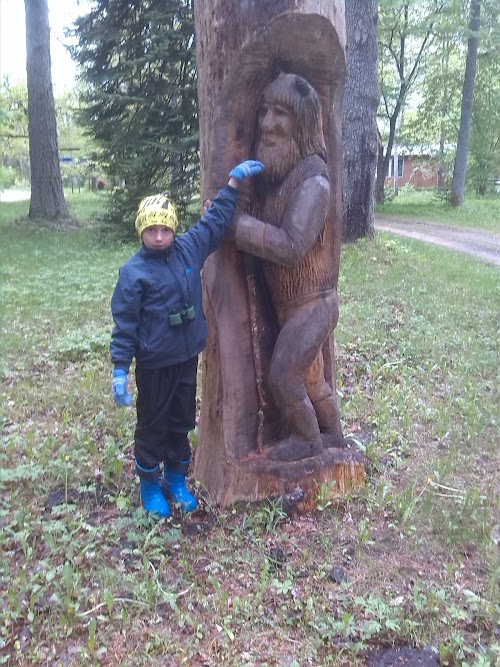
(270,87)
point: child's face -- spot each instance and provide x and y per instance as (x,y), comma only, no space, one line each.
(157,237)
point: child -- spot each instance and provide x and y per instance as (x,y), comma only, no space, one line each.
(159,320)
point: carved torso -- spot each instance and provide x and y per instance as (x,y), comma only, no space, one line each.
(315,271)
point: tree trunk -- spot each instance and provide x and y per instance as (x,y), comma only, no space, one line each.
(441,175)
(386,157)
(240,48)
(460,167)
(47,195)
(360,119)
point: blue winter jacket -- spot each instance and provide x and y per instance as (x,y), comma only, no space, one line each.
(155,284)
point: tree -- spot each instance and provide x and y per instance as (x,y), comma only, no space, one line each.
(483,166)
(14,144)
(460,167)
(240,51)
(406,30)
(360,140)
(139,76)
(432,116)
(434,121)
(14,138)
(47,194)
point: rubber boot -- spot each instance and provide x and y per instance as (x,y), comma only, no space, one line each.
(173,485)
(152,497)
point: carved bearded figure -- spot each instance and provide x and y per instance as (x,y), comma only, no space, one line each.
(287,230)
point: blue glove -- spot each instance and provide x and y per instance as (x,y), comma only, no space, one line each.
(246,169)
(121,395)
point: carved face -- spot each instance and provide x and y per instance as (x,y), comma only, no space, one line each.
(290,125)
(275,121)
(277,147)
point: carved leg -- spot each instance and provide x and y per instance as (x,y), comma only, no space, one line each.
(305,437)
(299,415)
(301,337)
(327,412)
(324,402)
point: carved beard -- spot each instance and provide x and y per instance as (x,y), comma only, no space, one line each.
(278,159)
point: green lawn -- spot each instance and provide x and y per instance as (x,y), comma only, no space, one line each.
(87,579)
(476,213)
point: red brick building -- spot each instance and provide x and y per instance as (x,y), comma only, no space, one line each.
(417,166)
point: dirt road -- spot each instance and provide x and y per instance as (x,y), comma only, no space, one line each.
(481,244)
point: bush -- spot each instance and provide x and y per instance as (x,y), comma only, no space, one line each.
(7,177)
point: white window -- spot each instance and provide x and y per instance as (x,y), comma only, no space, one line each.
(390,170)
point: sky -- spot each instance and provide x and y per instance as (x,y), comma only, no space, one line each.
(13,41)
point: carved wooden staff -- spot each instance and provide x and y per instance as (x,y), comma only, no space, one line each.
(254,328)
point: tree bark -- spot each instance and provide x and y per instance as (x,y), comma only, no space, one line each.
(460,166)
(360,119)
(240,48)
(47,194)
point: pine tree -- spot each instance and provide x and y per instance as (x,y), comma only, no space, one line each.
(138,68)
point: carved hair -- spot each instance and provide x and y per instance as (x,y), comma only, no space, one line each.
(302,99)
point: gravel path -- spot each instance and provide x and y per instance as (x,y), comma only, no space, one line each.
(481,244)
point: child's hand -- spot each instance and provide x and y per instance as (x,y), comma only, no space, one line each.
(246,169)
(121,394)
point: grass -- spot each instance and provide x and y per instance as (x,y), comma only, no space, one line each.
(82,206)
(87,578)
(476,212)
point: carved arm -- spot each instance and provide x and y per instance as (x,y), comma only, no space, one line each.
(301,225)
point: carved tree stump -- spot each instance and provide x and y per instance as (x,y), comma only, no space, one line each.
(240,47)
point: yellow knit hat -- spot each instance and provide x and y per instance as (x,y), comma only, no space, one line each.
(155,210)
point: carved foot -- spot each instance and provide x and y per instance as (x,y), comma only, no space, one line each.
(333,440)
(293,449)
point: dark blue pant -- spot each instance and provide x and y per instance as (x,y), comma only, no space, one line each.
(166,410)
